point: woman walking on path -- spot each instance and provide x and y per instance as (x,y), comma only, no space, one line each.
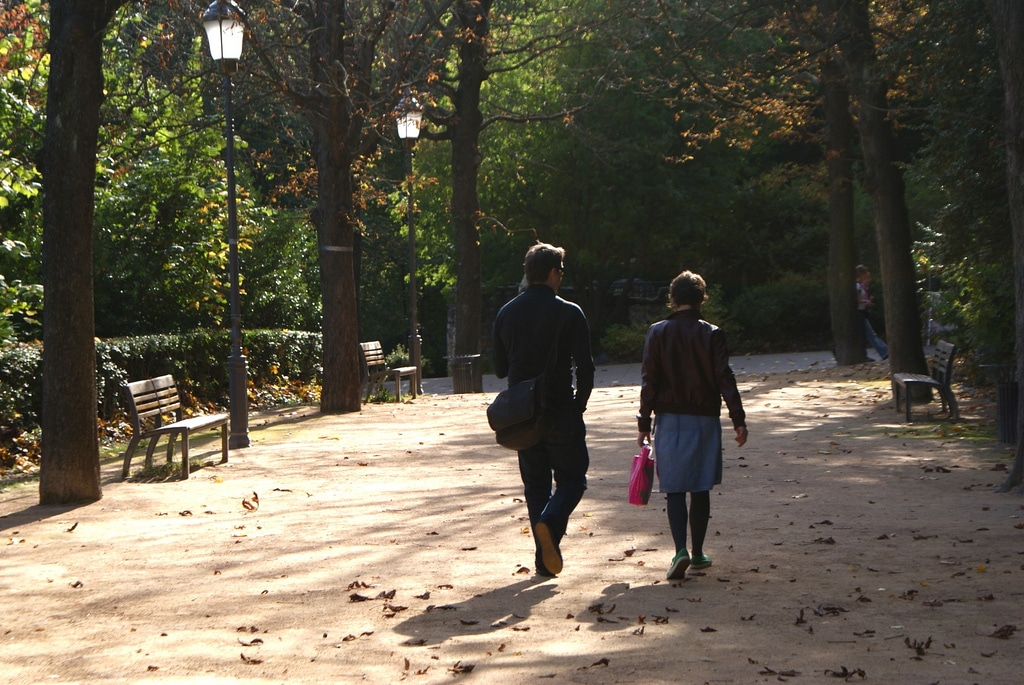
(684,377)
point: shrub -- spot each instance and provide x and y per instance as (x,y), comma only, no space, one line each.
(197,360)
(20,386)
(788,314)
(624,343)
(397,357)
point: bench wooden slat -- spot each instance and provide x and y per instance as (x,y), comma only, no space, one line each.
(149,402)
(941,379)
(377,371)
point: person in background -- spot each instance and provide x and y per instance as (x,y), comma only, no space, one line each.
(864,300)
(525,331)
(684,378)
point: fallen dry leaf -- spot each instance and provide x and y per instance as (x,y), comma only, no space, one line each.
(782,674)
(1005,632)
(460,667)
(843,672)
(251,504)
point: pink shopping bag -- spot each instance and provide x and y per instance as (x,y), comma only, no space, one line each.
(641,477)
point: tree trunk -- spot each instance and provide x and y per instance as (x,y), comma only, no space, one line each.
(70,468)
(341,385)
(846,324)
(883,181)
(1008,28)
(465,137)
(336,125)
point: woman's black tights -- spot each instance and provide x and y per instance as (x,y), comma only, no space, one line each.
(699,515)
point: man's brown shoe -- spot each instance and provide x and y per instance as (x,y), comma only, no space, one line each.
(549,552)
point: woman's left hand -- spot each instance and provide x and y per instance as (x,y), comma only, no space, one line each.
(741,435)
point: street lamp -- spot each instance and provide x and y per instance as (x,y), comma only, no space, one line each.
(409,117)
(225,32)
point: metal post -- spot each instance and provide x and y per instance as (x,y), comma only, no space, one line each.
(237,386)
(414,333)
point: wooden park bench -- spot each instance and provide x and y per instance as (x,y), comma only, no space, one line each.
(940,379)
(377,371)
(153,400)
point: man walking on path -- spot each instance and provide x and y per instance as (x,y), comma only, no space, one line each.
(528,330)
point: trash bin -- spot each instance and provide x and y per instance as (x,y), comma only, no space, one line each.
(467,375)
(1006,409)
(1005,377)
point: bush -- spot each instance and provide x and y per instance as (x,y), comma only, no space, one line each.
(197,360)
(624,343)
(788,314)
(20,386)
(397,357)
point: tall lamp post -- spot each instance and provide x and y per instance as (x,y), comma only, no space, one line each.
(409,117)
(225,32)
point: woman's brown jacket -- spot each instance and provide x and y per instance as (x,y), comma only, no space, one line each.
(686,371)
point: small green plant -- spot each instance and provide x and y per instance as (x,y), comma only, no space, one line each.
(624,343)
(398,357)
(164,471)
(381,394)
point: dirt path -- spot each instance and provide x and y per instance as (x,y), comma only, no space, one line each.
(393,545)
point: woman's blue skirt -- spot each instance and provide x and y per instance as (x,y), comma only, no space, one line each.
(688,452)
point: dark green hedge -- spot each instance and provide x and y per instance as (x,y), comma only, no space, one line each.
(197,360)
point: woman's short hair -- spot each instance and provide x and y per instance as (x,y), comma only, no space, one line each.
(540,260)
(687,288)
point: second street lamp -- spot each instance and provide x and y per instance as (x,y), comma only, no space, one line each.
(225,32)
(409,117)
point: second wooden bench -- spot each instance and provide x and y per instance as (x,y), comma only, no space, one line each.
(377,371)
(941,379)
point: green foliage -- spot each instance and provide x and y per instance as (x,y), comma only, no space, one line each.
(24,66)
(381,395)
(281,365)
(19,303)
(20,387)
(197,360)
(624,343)
(964,247)
(790,313)
(977,303)
(397,357)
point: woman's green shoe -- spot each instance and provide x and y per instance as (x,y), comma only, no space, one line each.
(702,561)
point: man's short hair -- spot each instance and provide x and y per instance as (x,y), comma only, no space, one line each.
(688,288)
(540,260)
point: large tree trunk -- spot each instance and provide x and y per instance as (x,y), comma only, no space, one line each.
(1008,28)
(465,136)
(883,181)
(336,122)
(333,217)
(846,325)
(70,469)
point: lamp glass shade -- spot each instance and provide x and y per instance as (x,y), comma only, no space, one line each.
(224,30)
(410,116)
